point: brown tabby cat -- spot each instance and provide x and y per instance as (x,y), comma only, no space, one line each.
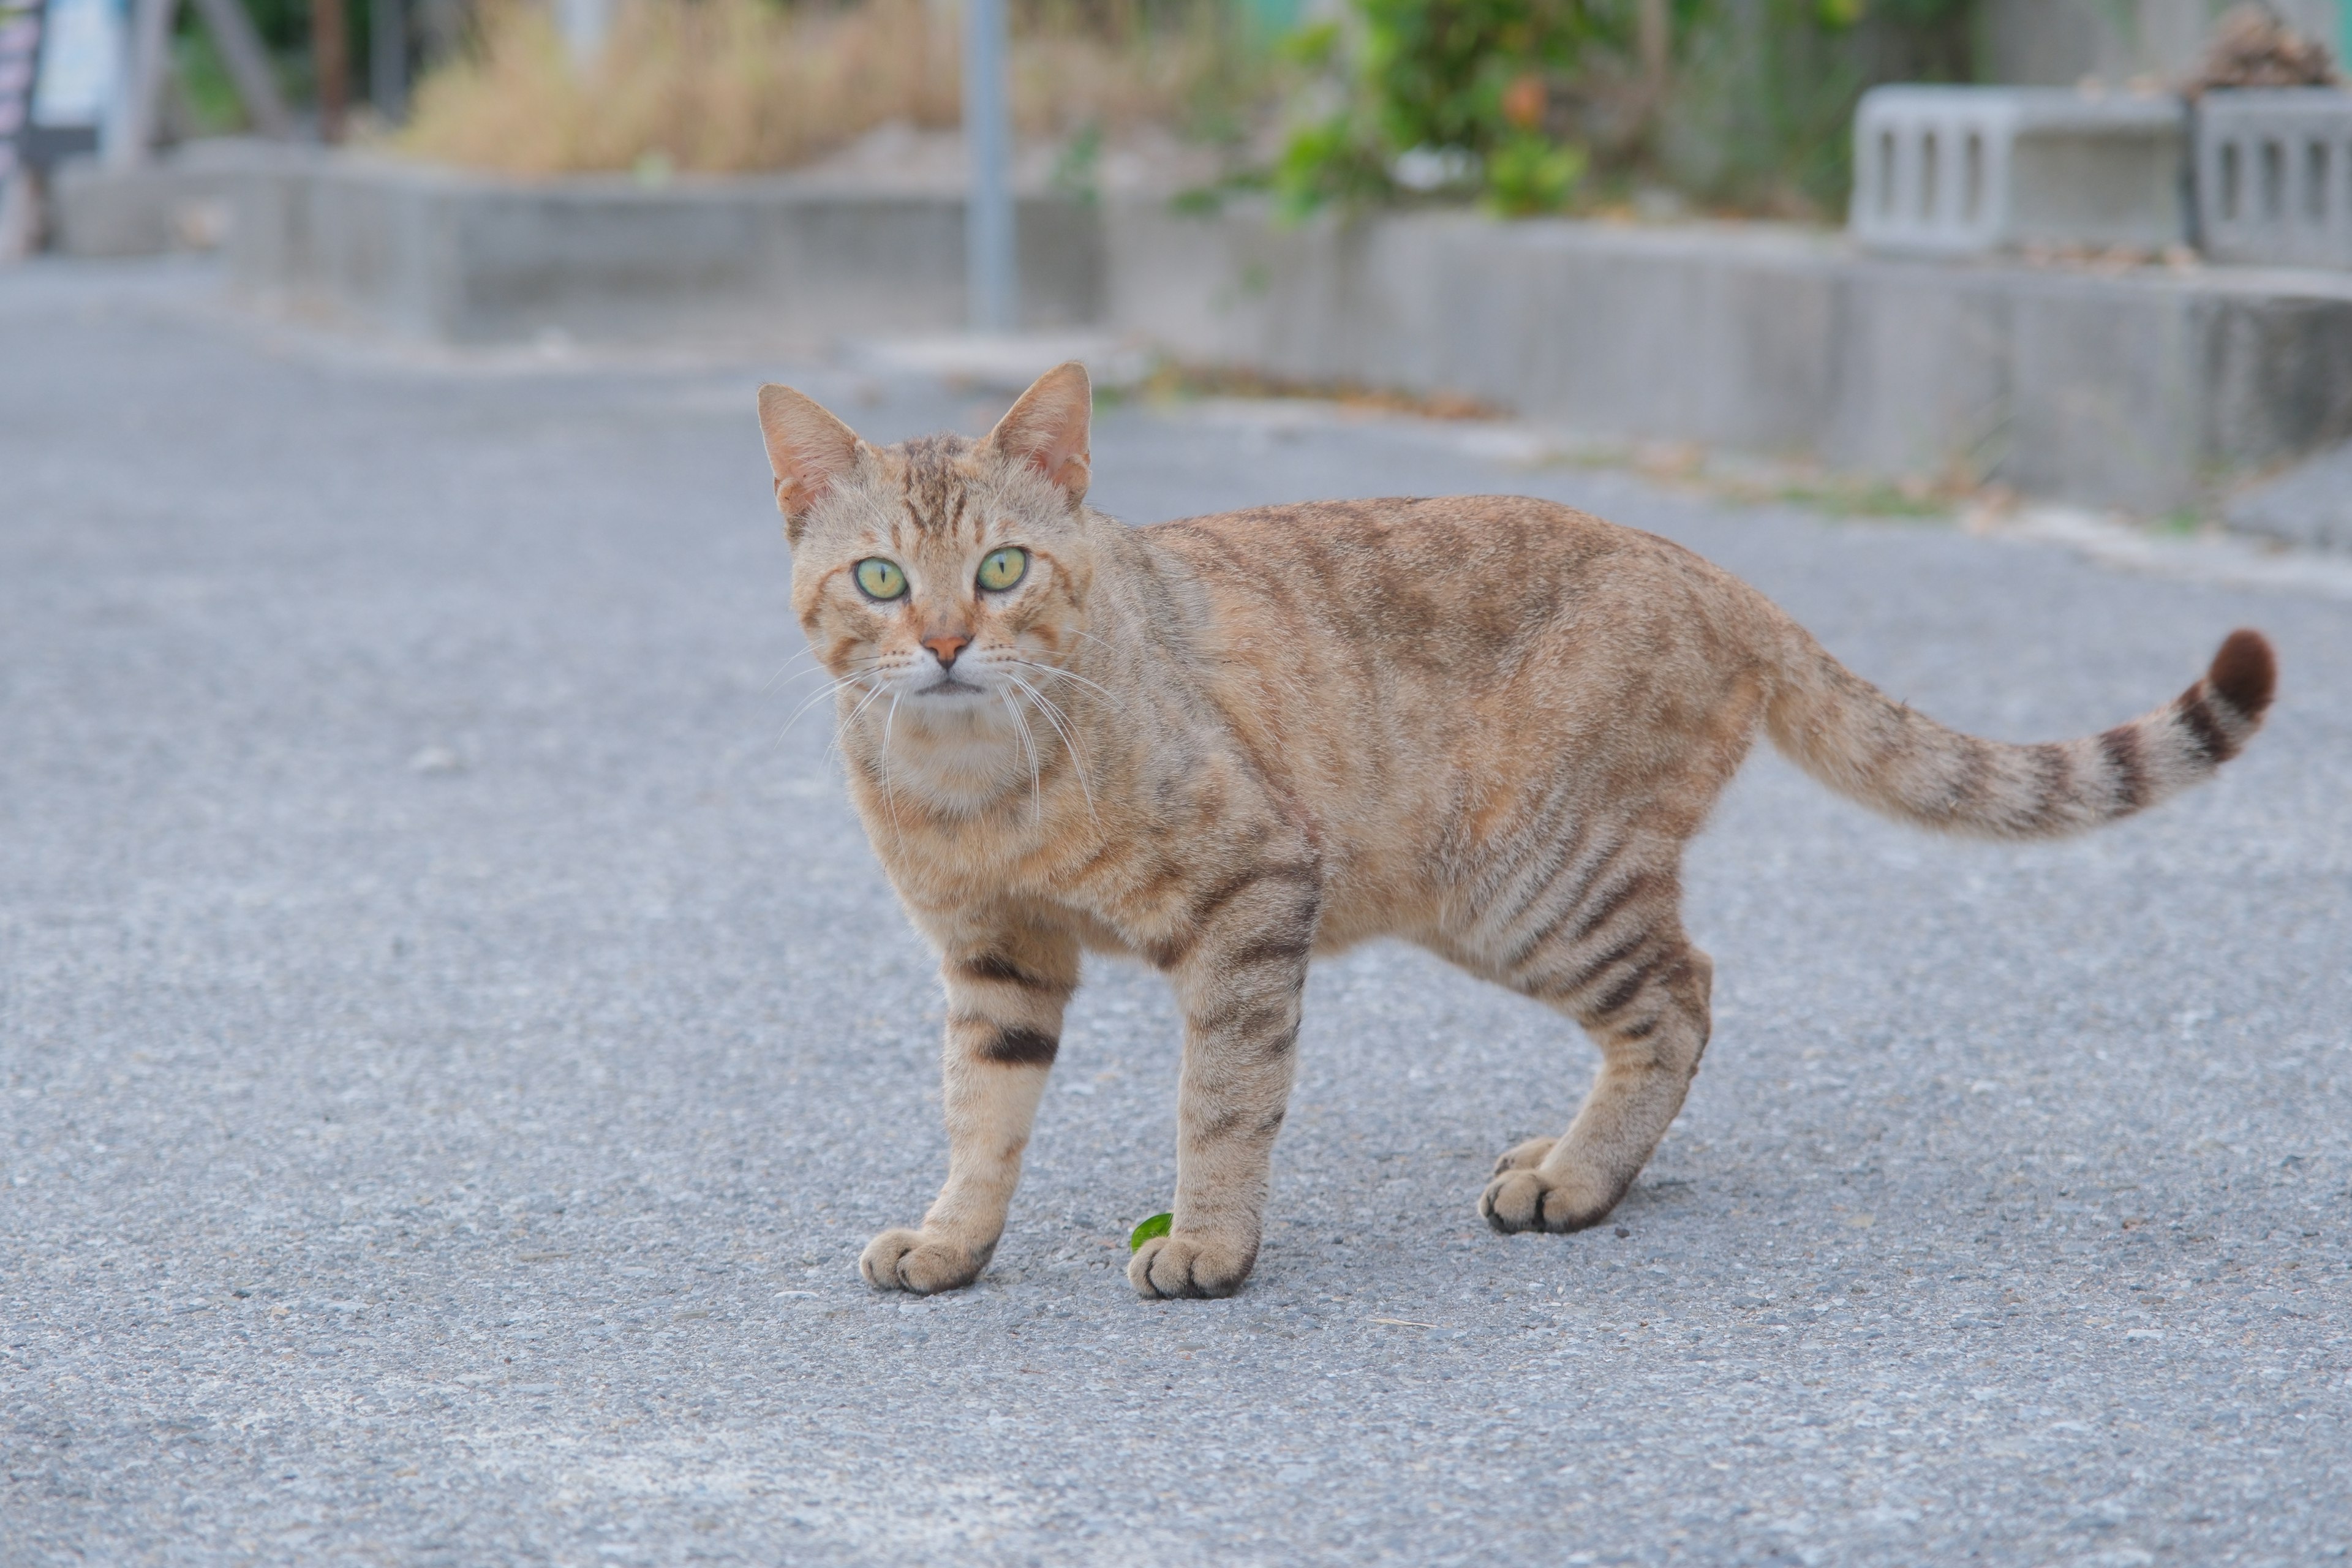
(1484,724)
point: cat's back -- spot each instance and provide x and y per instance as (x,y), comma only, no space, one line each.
(1453,577)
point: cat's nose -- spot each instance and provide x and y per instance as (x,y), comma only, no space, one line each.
(946,646)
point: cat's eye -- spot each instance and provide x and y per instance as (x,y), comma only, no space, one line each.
(881,579)
(1002,568)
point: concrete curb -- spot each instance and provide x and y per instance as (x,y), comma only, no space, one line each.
(2147,390)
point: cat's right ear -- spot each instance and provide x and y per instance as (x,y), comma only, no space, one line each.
(809,451)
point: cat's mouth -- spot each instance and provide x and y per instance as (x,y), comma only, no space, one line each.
(947,684)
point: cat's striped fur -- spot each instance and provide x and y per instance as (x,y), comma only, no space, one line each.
(1487,724)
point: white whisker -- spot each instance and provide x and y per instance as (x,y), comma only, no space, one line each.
(1055,716)
(883,760)
(1029,745)
(1069,675)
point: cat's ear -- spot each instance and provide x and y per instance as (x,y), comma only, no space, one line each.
(809,450)
(1048,429)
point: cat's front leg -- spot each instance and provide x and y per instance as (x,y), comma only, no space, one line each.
(1241,987)
(1006,988)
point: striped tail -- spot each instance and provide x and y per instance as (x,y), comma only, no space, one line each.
(1853,738)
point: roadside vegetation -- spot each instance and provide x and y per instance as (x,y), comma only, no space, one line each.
(733,86)
(1646,108)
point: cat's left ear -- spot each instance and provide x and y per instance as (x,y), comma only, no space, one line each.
(809,451)
(1048,427)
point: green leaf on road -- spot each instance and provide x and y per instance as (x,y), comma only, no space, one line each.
(1156,1226)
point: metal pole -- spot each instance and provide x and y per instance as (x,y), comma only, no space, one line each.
(585,24)
(128,134)
(388,58)
(992,283)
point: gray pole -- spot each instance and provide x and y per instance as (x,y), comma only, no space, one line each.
(388,58)
(992,285)
(128,137)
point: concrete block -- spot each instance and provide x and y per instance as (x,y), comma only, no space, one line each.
(1962,171)
(184,200)
(2274,176)
(2310,504)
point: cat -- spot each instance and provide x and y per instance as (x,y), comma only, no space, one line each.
(1225,745)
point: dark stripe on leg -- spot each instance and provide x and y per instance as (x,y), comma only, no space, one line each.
(1021,1048)
(1593,970)
(1616,899)
(995,966)
(1565,913)
(1627,987)
(1243,1016)
(1280,947)
(1168,954)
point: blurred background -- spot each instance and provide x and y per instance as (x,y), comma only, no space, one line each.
(1733,106)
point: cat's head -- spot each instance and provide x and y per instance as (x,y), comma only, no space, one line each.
(938,567)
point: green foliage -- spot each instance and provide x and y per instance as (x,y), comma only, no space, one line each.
(1077,168)
(206,90)
(1157,1225)
(1530,174)
(1480,82)
(1763,111)
(1437,69)
(1544,102)
(1338,158)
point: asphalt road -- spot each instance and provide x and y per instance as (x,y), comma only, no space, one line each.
(454,1044)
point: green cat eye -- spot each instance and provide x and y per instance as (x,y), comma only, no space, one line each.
(881,579)
(1002,568)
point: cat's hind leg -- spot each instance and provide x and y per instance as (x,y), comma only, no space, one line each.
(1644,999)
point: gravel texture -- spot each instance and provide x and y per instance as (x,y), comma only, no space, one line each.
(454,1042)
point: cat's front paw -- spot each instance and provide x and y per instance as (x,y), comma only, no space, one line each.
(1190,1265)
(1526,1197)
(926,1265)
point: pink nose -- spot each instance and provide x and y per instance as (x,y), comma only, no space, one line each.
(946,646)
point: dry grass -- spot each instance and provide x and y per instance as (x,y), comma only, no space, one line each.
(729,85)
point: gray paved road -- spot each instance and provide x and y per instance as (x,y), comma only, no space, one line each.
(452,1051)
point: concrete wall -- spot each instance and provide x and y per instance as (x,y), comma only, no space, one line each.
(2144,390)
(2056,43)
(183,201)
(462,258)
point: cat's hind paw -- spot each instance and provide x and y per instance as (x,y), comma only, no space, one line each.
(926,1265)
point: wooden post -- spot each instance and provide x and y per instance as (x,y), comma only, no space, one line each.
(1654,41)
(331,61)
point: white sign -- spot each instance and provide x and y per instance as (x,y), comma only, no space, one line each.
(81,62)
